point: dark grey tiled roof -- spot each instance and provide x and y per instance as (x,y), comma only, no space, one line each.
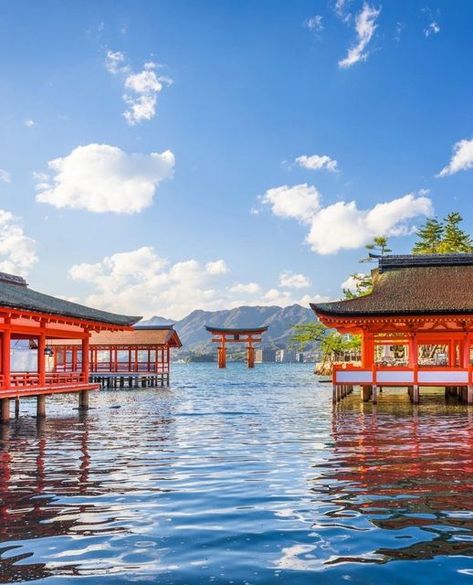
(16,295)
(415,287)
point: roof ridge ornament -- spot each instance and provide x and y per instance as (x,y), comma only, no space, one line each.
(12,279)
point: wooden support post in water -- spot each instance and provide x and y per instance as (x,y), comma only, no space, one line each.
(41,406)
(17,407)
(470,394)
(374,394)
(4,410)
(83,399)
(334,393)
(415,394)
(365,393)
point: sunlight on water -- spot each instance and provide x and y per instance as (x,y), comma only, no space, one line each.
(238,477)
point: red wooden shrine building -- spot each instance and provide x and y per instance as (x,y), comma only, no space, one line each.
(416,327)
(35,317)
(223,336)
(140,356)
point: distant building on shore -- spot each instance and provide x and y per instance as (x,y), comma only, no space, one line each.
(289,356)
(265,355)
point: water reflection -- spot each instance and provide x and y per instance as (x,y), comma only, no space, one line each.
(403,474)
(54,490)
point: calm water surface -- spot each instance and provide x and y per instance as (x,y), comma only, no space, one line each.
(238,477)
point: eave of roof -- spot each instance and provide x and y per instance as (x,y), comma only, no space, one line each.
(20,297)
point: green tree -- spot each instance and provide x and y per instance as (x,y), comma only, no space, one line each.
(455,240)
(443,237)
(379,245)
(363,283)
(429,237)
(307,333)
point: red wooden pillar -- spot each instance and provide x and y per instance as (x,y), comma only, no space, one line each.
(6,366)
(367,350)
(168,360)
(86,358)
(222,353)
(250,354)
(42,359)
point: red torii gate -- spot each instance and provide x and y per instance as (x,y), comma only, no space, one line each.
(250,336)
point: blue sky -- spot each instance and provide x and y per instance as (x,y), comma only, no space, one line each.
(233,93)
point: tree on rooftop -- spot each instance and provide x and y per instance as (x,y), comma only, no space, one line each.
(429,237)
(455,240)
(443,237)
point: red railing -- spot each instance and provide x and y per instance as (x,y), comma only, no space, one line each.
(27,379)
(122,367)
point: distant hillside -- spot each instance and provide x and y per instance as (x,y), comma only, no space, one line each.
(280,320)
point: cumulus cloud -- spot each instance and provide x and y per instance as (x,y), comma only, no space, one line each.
(141,88)
(217,267)
(461,160)
(315,23)
(365,25)
(141,282)
(101,178)
(342,225)
(250,288)
(291,280)
(29,123)
(17,250)
(298,202)
(317,162)
(5,176)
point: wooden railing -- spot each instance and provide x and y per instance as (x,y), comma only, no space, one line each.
(27,379)
(403,376)
(121,367)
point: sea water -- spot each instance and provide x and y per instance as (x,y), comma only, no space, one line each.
(238,477)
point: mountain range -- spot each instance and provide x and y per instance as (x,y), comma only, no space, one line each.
(280,321)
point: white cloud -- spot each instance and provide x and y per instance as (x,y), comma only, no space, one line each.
(432,29)
(115,62)
(250,288)
(17,250)
(432,26)
(141,89)
(5,176)
(29,123)
(217,267)
(315,23)
(140,282)
(340,8)
(351,282)
(365,25)
(461,160)
(102,178)
(317,162)
(342,225)
(298,202)
(291,280)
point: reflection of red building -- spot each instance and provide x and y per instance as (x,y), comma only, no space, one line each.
(416,326)
(26,314)
(406,475)
(141,355)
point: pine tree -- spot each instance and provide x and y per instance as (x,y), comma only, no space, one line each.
(429,237)
(455,240)
(380,245)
